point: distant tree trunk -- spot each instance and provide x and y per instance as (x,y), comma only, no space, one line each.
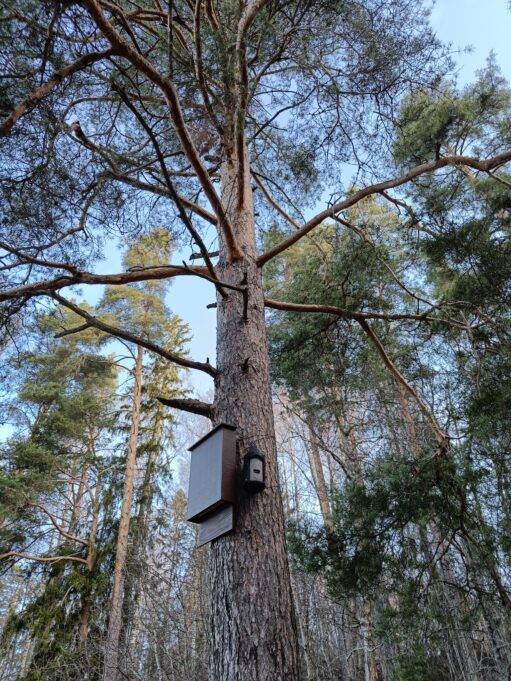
(318,477)
(364,607)
(110,669)
(83,630)
(77,505)
(138,546)
(253,628)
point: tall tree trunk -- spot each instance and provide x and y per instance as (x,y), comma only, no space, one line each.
(253,628)
(110,669)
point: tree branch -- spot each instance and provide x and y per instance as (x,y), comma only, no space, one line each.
(160,191)
(151,273)
(52,559)
(202,275)
(172,191)
(274,203)
(248,17)
(131,338)
(440,435)
(349,314)
(199,72)
(176,116)
(75,329)
(37,261)
(191,406)
(59,529)
(45,89)
(355,197)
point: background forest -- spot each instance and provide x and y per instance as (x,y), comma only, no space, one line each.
(391,385)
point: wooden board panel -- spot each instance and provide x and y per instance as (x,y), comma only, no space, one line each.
(212,472)
(218,523)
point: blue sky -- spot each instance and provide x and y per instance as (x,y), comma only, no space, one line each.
(483,24)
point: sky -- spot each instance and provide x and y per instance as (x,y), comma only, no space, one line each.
(483,25)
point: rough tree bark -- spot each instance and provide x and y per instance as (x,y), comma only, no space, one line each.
(111,659)
(253,627)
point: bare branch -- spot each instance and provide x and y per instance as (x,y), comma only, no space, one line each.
(37,261)
(192,406)
(161,191)
(274,203)
(38,559)
(349,314)
(202,275)
(75,329)
(48,285)
(58,527)
(131,338)
(50,244)
(440,435)
(198,256)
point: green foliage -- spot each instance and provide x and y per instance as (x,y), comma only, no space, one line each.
(346,268)
(370,540)
(66,400)
(420,665)
(141,308)
(490,400)
(451,121)
(463,216)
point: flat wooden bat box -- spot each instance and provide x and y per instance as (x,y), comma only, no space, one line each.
(212,483)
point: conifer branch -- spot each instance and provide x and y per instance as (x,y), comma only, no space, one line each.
(170,186)
(439,434)
(75,329)
(442,162)
(273,203)
(358,316)
(199,69)
(168,89)
(46,286)
(161,191)
(43,90)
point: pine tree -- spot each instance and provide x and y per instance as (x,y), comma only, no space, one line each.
(197,106)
